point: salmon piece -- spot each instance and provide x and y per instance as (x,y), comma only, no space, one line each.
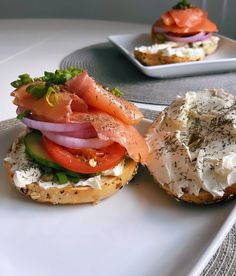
(205,26)
(187,17)
(71,108)
(109,128)
(167,19)
(95,95)
(67,103)
(183,21)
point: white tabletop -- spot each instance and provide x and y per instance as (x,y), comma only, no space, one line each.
(35,45)
(32,46)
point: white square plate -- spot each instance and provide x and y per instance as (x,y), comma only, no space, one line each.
(139,231)
(224,59)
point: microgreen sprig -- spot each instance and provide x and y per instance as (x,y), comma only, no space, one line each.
(183,4)
(23,114)
(47,85)
(61,76)
(37,90)
(22,80)
(116,91)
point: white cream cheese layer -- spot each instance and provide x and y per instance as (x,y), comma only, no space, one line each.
(170,48)
(207,45)
(26,172)
(183,52)
(193,143)
(155,48)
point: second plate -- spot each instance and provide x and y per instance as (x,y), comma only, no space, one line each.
(223,60)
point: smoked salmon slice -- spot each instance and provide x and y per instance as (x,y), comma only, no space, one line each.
(67,103)
(81,99)
(187,17)
(71,108)
(184,21)
(205,26)
(95,95)
(109,128)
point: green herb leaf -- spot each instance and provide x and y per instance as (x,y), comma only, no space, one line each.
(73,174)
(48,84)
(160,37)
(22,80)
(117,92)
(74,179)
(62,178)
(182,5)
(37,90)
(23,114)
(61,76)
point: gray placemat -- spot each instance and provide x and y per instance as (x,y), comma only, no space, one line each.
(224,261)
(111,68)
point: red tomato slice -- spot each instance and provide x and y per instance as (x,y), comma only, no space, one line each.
(77,160)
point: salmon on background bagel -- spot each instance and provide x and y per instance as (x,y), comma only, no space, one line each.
(193,147)
(183,23)
(80,144)
(182,34)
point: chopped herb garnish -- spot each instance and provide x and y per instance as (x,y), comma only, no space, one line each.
(182,5)
(46,86)
(61,76)
(23,114)
(160,37)
(73,174)
(74,179)
(22,80)
(52,96)
(37,90)
(116,91)
(62,178)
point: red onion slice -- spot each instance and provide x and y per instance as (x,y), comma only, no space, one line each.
(186,39)
(74,143)
(56,127)
(83,133)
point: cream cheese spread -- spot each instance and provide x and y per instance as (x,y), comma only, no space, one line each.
(26,172)
(192,49)
(207,45)
(183,52)
(193,143)
(155,48)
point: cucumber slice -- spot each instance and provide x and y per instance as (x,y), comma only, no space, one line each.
(34,148)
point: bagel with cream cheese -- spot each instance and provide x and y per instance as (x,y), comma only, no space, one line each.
(193,147)
(70,193)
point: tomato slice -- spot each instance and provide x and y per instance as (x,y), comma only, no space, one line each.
(85,160)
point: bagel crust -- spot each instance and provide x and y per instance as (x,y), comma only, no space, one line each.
(76,194)
(202,198)
(148,59)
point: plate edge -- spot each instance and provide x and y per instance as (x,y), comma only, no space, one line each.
(215,244)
